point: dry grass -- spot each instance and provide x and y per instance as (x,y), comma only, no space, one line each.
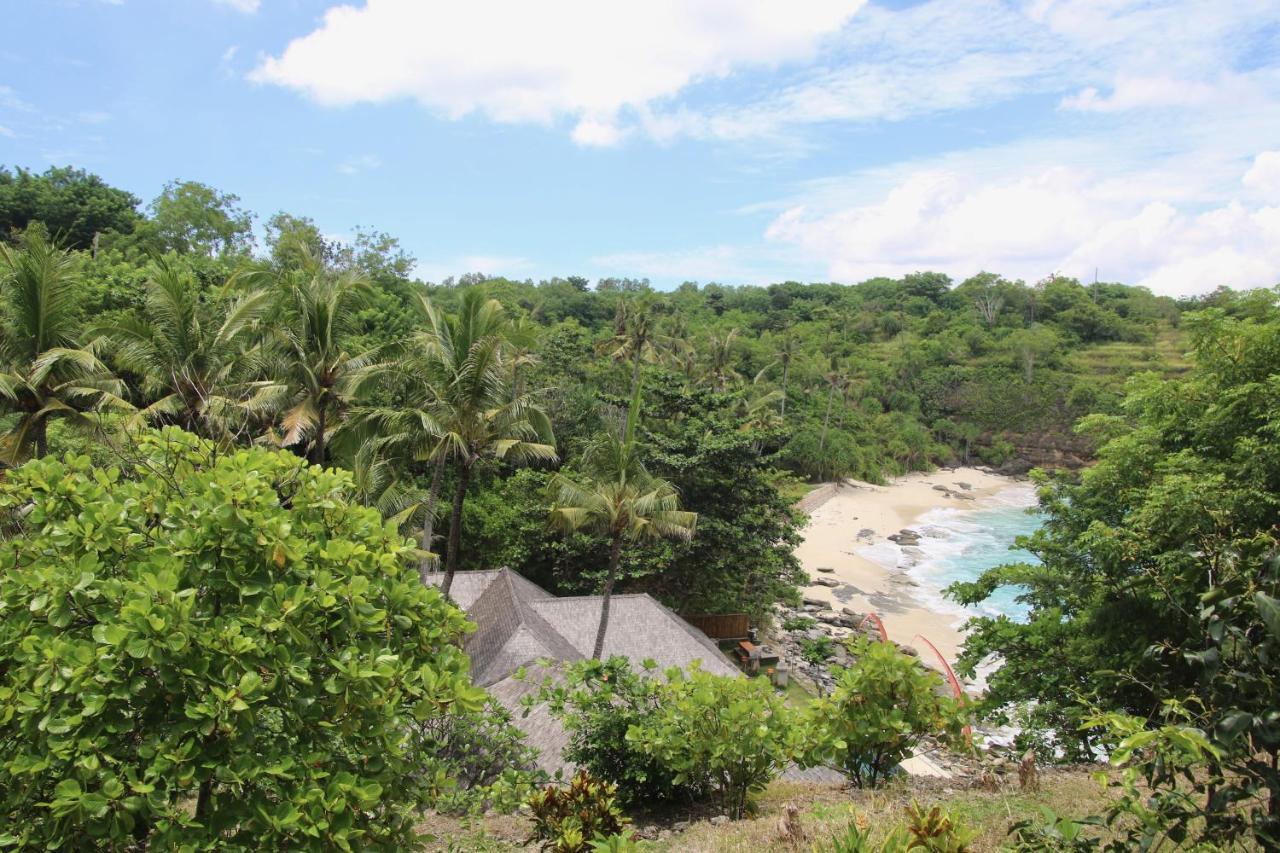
(825,812)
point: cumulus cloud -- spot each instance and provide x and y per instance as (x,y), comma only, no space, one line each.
(516,61)
(1056,220)
(1264,175)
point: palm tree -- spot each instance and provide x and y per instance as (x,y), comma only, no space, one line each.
(198,358)
(44,374)
(521,350)
(635,335)
(460,407)
(720,359)
(619,500)
(319,309)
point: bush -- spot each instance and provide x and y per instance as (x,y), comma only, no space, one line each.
(207,651)
(728,735)
(481,761)
(598,701)
(881,708)
(571,818)
(817,650)
(930,830)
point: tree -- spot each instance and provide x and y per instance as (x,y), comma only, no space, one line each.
(728,735)
(882,707)
(1159,575)
(619,500)
(465,407)
(720,359)
(74,205)
(192,217)
(44,374)
(203,650)
(319,307)
(1031,346)
(198,355)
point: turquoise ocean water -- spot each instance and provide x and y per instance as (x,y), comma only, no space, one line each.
(959,544)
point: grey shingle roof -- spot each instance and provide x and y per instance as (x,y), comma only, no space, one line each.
(519,624)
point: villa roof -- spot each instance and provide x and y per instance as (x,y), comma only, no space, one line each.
(519,624)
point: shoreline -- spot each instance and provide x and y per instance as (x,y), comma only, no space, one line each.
(857,515)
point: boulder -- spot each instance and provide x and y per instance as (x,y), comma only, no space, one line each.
(828,617)
(826,569)
(830,583)
(812,601)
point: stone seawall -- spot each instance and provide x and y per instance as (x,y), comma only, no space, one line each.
(817,497)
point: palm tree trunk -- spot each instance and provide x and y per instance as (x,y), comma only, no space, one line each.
(826,421)
(635,373)
(615,553)
(786,369)
(40,436)
(455,523)
(429,523)
(317,449)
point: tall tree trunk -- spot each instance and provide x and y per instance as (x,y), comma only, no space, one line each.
(615,553)
(455,522)
(786,369)
(40,437)
(826,421)
(429,523)
(635,374)
(317,449)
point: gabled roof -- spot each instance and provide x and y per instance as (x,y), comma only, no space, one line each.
(519,623)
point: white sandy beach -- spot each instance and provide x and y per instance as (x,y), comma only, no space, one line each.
(861,514)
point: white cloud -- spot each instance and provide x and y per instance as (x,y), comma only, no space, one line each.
(248,7)
(516,61)
(1037,222)
(1264,175)
(510,266)
(1137,92)
(362,163)
(4,131)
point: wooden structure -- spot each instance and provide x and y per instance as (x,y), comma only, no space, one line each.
(720,626)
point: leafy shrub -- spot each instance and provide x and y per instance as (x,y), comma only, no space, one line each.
(935,830)
(817,650)
(932,830)
(727,735)
(598,701)
(798,623)
(882,707)
(570,818)
(1053,834)
(481,761)
(212,651)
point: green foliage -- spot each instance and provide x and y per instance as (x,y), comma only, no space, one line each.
(73,205)
(817,650)
(572,818)
(598,702)
(191,217)
(45,375)
(1158,589)
(933,830)
(213,651)
(730,736)
(478,760)
(882,707)
(1053,834)
(798,623)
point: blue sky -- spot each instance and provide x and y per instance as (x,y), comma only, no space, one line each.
(741,141)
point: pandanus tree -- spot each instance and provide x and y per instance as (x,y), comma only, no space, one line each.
(319,306)
(200,356)
(618,499)
(44,373)
(459,407)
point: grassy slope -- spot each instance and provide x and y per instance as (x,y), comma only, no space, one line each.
(825,811)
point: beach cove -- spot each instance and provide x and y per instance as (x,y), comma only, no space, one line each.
(965,518)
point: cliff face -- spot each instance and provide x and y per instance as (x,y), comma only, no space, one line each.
(1048,451)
